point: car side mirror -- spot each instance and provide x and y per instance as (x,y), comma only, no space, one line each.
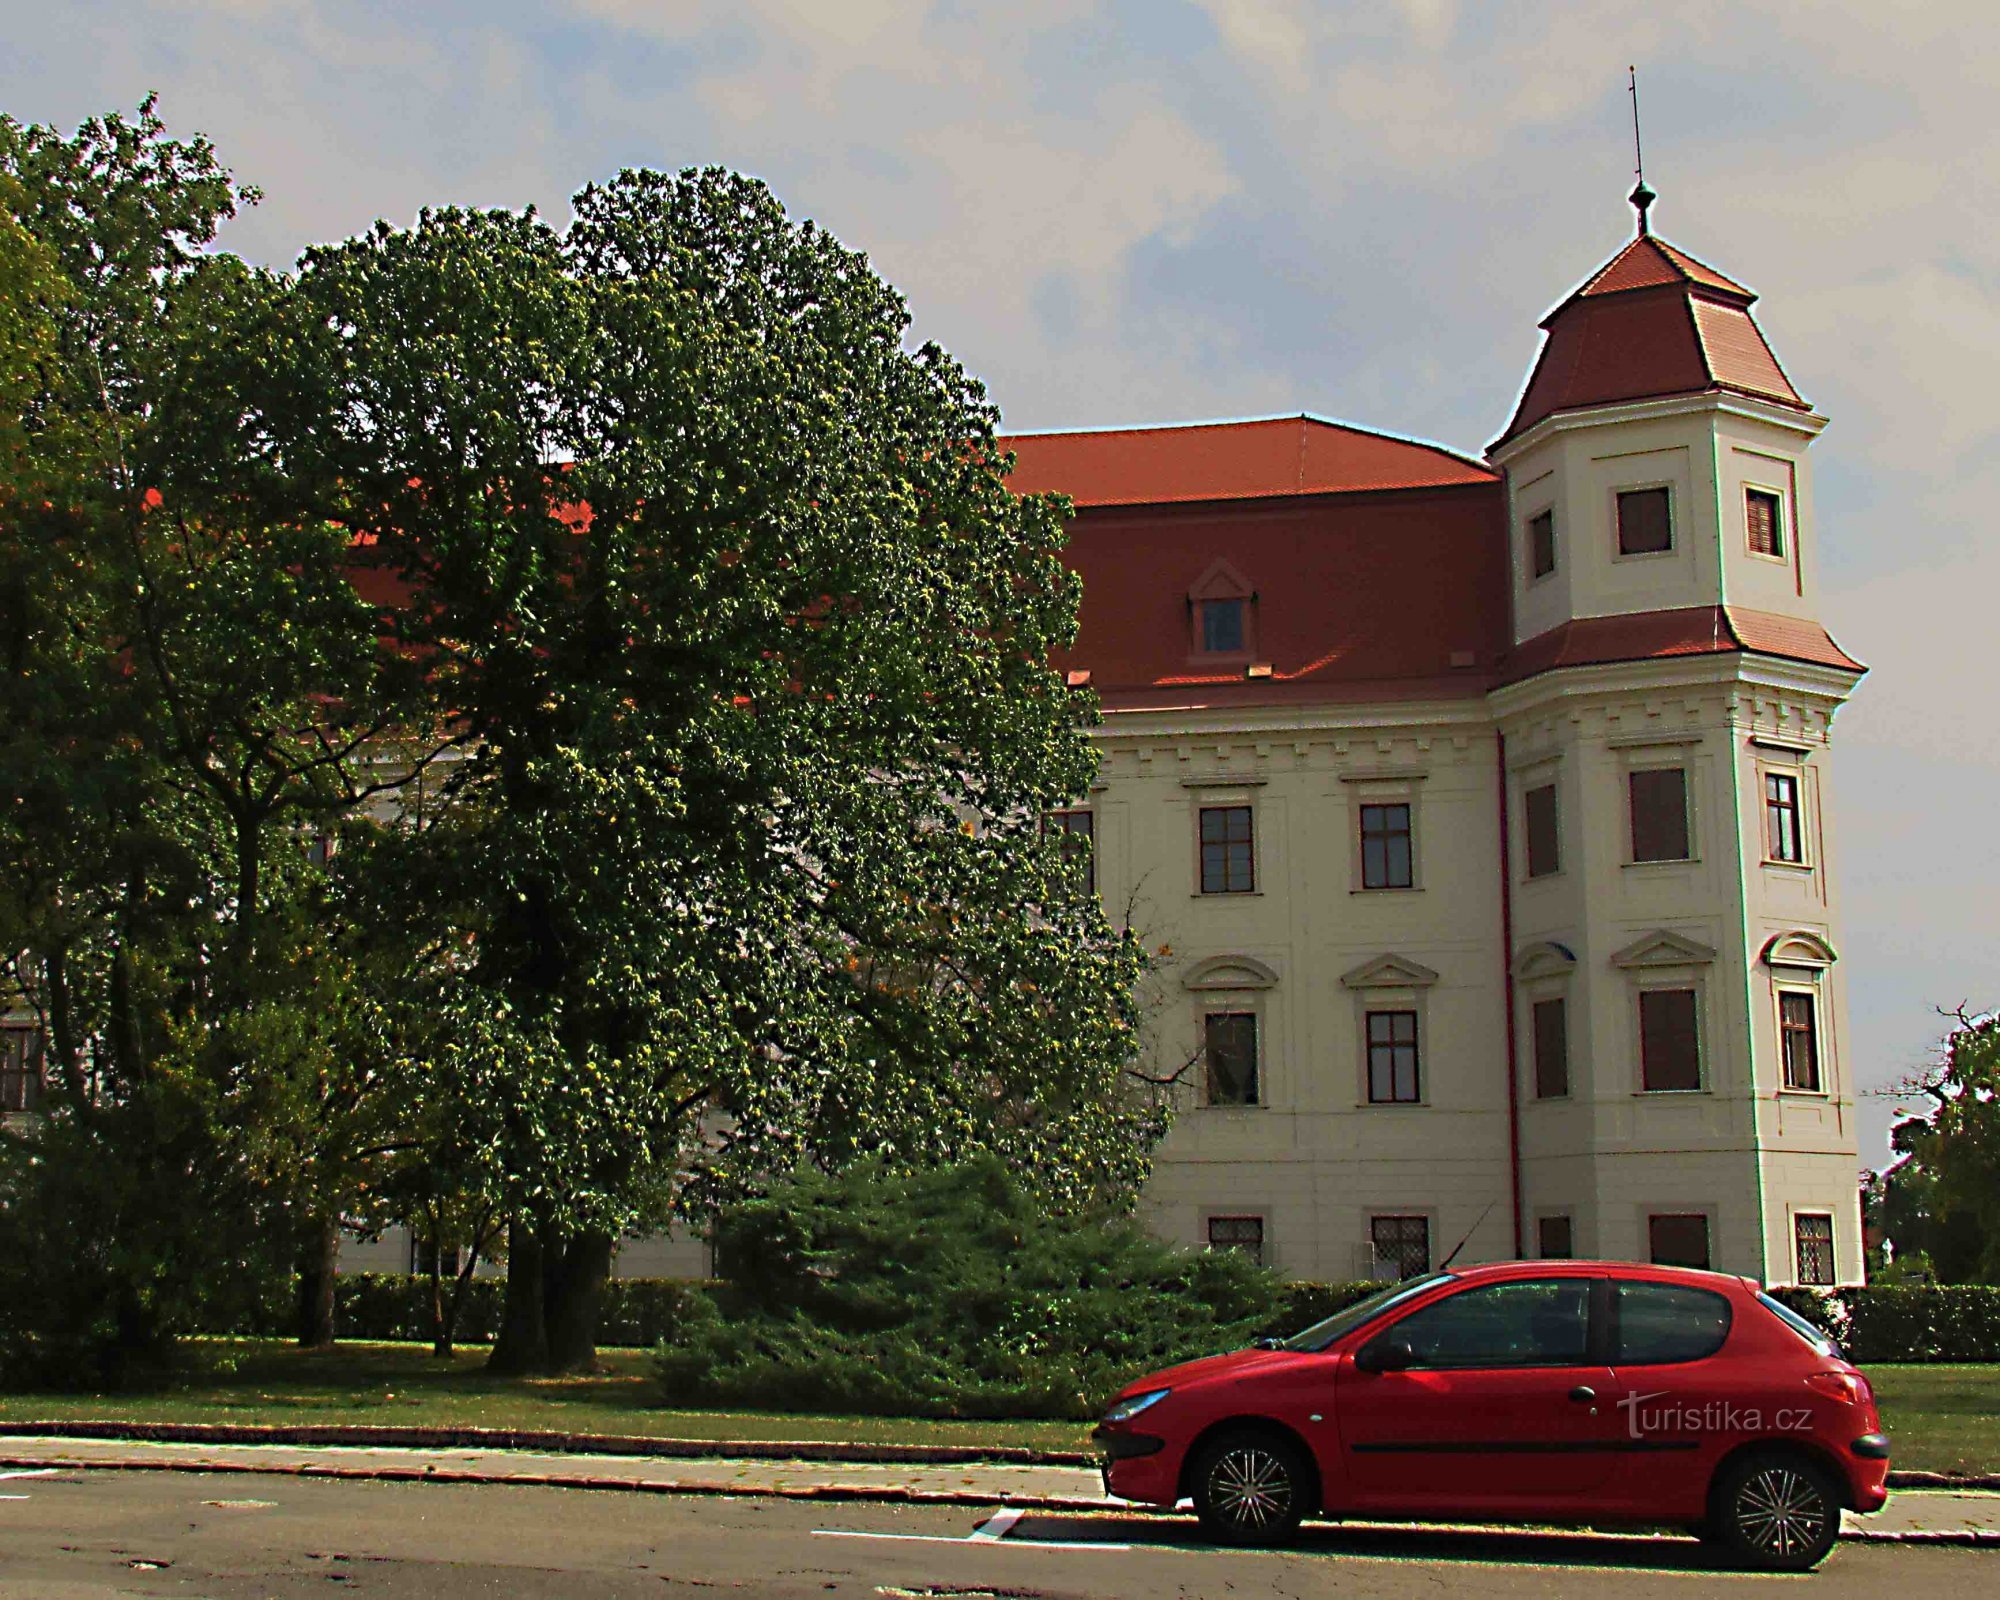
(1386,1354)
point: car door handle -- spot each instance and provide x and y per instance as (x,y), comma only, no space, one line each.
(1583,1393)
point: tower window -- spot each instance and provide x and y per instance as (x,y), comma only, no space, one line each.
(1813,1233)
(1544,841)
(1542,543)
(1645,522)
(1228,851)
(1392,1058)
(1782,841)
(1764,513)
(1798,1029)
(1551,1048)
(1660,814)
(1386,861)
(1677,1240)
(1554,1238)
(1669,1047)
(1222,629)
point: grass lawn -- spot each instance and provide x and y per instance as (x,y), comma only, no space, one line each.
(404,1385)
(1942,1418)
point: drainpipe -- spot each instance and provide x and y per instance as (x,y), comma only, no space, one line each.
(1507,989)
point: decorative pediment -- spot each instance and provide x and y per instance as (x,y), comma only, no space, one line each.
(1229,972)
(1800,948)
(1546,959)
(1220,581)
(1390,972)
(1663,948)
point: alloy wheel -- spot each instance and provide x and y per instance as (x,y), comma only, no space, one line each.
(1781,1512)
(1251,1488)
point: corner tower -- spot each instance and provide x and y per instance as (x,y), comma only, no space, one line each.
(1665,712)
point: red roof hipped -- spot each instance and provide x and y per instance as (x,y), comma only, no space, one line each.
(1662,635)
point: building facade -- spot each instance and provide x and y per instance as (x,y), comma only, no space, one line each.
(1478,811)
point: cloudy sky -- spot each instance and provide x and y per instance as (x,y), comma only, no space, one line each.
(1150,210)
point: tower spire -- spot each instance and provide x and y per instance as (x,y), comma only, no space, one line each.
(1641,197)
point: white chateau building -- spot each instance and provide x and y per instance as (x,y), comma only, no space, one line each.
(1482,811)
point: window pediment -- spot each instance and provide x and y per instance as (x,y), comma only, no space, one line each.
(1663,948)
(1546,959)
(1800,948)
(1220,581)
(1229,972)
(1389,972)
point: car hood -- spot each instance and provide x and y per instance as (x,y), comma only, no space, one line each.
(1232,1364)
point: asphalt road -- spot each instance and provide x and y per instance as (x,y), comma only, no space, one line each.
(90,1534)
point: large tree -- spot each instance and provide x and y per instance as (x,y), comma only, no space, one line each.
(750,645)
(1939,1203)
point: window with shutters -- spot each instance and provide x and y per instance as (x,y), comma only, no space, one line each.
(1764,514)
(1387,860)
(1077,833)
(1783,840)
(1393,1076)
(1645,522)
(1798,1030)
(1677,1239)
(1539,823)
(1228,851)
(1554,1239)
(1551,1022)
(1813,1234)
(1229,1042)
(1659,814)
(1542,543)
(1669,1042)
(21,1067)
(1245,1235)
(1401,1244)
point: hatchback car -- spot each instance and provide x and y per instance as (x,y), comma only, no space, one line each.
(1549,1391)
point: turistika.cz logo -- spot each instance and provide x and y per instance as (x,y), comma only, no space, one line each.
(1671,1416)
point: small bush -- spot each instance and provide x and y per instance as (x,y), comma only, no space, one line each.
(1307,1303)
(946,1293)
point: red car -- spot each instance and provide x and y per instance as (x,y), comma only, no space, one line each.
(1596,1391)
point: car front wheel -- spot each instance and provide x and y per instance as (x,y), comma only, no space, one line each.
(1777,1510)
(1251,1488)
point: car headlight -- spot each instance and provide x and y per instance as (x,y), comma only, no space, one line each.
(1128,1408)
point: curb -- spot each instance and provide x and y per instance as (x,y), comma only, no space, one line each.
(549,1443)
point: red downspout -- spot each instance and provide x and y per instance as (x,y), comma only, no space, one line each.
(1507,988)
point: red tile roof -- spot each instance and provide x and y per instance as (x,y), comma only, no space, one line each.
(1661,635)
(1261,459)
(1651,322)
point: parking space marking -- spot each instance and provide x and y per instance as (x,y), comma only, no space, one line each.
(30,1472)
(993,1530)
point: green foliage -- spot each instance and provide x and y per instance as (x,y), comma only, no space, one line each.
(946,1292)
(1303,1304)
(1902,1322)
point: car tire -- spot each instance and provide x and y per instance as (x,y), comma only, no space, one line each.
(1776,1511)
(1251,1486)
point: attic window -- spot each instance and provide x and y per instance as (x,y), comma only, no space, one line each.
(1222,613)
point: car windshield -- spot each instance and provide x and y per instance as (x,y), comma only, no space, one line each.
(1817,1337)
(1348,1318)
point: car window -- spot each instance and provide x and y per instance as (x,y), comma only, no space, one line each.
(1661,1322)
(1348,1318)
(1816,1336)
(1541,1322)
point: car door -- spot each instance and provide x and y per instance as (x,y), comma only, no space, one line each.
(1503,1406)
(1680,1400)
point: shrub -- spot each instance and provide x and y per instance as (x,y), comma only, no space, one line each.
(945,1293)
(1906,1322)
(1307,1303)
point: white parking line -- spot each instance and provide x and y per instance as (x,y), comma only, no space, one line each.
(31,1472)
(993,1530)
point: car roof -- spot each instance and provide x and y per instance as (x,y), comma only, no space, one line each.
(1694,1276)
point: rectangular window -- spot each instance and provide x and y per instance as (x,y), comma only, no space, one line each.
(1798,1028)
(1551,1048)
(1229,1040)
(1669,1049)
(1814,1235)
(1228,854)
(1402,1245)
(1645,523)
(1222,631)
(1242,1234)
(1782,839)
(1764,513)
(1386,861)
(1659,814)
(1552,1239)
(1079,843)
(1678,1241)
(1542,543)
(1392,1057)
(20,1068)
(1544,842)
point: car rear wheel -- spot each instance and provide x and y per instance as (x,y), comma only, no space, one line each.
(1251,1487)
(1777,1510)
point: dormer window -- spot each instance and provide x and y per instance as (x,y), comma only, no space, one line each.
(1645,522)
(1222,609)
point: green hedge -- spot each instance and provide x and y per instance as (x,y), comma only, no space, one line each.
(1306,1303)
(1904,1322)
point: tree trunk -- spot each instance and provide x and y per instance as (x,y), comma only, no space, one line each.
(440,1326)
(523,1344)
(319,1264)
(572,1309)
